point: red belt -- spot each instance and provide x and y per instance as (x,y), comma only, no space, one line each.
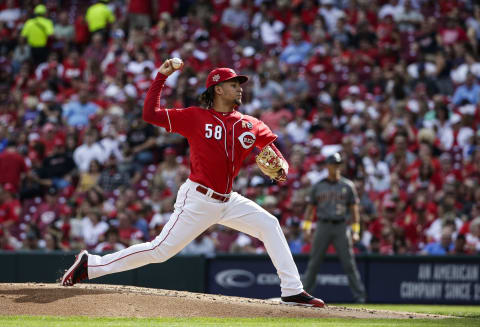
(214,195)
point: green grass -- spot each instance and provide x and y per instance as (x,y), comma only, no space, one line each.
(469,311)
(470,318)
(48,321)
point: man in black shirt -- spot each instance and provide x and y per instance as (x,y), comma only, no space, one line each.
(58,166)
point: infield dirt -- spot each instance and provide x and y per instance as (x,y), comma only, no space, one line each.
(96,300)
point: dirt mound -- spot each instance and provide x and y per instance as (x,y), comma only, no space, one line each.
(126,301)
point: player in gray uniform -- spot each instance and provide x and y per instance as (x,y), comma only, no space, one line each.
(335,198)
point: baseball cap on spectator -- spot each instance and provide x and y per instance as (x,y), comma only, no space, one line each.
(219,75)
(40,10)
(455,118)
(335,158)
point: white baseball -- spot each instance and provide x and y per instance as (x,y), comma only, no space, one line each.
(176,63)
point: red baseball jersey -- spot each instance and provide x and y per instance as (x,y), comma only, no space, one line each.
(219,142)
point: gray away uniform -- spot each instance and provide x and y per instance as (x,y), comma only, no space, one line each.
(333,201)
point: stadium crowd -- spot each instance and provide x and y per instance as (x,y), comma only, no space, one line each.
(392,84)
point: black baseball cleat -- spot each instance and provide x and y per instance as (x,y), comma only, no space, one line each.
(303,299)
(78,271)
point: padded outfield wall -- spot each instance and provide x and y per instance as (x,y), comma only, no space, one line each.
(388,279)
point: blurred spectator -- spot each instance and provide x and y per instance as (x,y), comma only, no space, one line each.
(469,91)
(141,140)
(78,113)
(460,246)
(390,8)
(21,54)
(202,245)
(442,247)
(37,31)
(407,17)
(472,234)
(377,171)
(235,19)
(297,50)
(12,165)
(111,178)
(9,207)
(89,179)
(299,129)
(457,135)
(58,166)
(87,152)
(93,228)
(270,28)
(128,233)
(64,31)
(266,91)
(11,14)
(330,14)
(96,51)
(295,88)
(111,242)
(99,16)
(140,13)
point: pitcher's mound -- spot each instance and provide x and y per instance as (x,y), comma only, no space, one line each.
(96,300)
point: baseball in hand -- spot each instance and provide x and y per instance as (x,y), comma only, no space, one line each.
(177,63)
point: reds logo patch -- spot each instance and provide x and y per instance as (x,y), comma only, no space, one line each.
(247,139)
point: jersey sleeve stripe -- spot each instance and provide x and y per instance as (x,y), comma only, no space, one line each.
(169,123)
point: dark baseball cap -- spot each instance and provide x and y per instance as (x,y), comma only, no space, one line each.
(219,75)
(335,158)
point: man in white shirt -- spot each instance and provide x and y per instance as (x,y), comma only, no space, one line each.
(331,14)
(87,152)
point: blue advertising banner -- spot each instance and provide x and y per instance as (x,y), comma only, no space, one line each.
(424,282)
(256,277)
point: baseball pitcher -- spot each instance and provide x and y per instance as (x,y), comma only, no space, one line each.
(220,138)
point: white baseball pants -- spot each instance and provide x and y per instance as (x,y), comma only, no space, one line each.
(194,213)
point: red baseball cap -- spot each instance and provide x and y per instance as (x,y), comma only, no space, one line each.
(219,75)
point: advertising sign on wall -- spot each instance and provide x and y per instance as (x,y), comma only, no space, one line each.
(257,278)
